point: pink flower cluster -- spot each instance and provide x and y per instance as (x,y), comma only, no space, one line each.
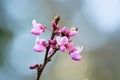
(60,40)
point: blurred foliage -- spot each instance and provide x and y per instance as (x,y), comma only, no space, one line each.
(5,37)
(104,61)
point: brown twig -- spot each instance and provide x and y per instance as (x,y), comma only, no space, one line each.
(47,59)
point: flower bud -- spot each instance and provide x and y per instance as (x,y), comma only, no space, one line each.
(52,42)
(56,19)
(35,66)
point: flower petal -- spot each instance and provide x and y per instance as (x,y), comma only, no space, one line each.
(34,23)
(35,31)
(52,42)
(73,33)
(79,49)
(62,48)
(76,57)
(64,29)
(72,50)
(70,46)
(39,48)
(64,40)
(37,28)
(58,39)
(50,50)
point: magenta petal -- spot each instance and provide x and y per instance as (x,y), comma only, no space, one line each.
(54,25)
(39,48)
(50,50)
(52,42)
(69,40)
(62,48)
(44,43)
(42,27)
(58,39)
(70,46)
(73,33)
(37,28)
(64,40)
(64,29)
(76,56)
(34,31)
(72,50)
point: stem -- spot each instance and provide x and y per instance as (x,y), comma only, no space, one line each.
(40,69)
(47,59)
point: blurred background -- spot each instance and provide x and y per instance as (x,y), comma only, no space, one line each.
(98,22)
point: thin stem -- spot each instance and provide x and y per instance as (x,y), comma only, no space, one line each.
(40,69)
(52,54)
(47,59)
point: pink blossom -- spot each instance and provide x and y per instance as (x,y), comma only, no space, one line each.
(50,50)
(58,31)
(76,56)
(69,46)
(62,41)
(75,53)
(68,33)
(52,42)
(63,48)
(72,33)
(40,45)
(69,40)
(37,28)
(64,31)
(55,26)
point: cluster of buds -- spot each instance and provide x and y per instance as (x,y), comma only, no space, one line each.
(61,39)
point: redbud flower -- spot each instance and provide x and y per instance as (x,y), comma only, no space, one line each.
(63,48)
(34,66)
(50,50)
(52,42)
(58,31)
(40,45)
(62,41)
(54,25)
(64,31)
(73,31)
(56,28)
(37,28)
(69,46)
(75,53)
(76,56)
(68,33)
